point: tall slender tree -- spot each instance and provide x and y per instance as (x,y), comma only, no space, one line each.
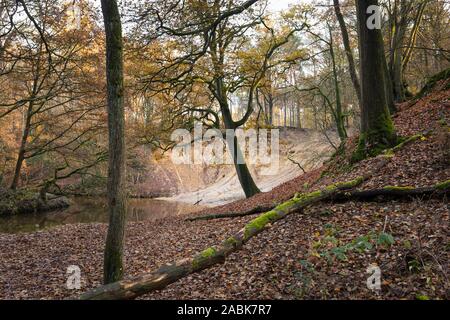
(404,17)
(377,129)
(113,264)
(348,49)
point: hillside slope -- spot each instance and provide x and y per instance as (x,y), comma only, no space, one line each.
(308,147)
(321,252)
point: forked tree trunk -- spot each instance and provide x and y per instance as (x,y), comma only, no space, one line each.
(245,178)
(348,49)
(113,264)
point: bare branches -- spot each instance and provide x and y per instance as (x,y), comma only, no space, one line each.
(211,19)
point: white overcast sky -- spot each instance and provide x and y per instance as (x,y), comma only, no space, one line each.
(278,5)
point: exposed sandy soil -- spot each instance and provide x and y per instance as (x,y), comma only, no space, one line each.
(285,261)
(308,147)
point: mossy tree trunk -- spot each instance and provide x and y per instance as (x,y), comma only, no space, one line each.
(113,264)
(377,129)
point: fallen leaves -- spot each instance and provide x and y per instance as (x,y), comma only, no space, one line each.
(278,263)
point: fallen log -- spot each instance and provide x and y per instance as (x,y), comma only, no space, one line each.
(258,209)
(363,195)
(169,273)
(254,210)
(394,192)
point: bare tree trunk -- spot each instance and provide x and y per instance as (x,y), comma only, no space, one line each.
(413,37)
(348,50)
(339,117)
(113,264)
(270,103)
(399,25)
(389,88)
(23,143)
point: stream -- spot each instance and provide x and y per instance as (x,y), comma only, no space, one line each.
(93,209)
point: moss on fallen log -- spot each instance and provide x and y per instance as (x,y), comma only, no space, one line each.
(443,185)
(259,209)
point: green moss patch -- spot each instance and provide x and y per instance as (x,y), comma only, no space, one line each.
(445,74)
(443,185)
(203,256)
(260,222)
(395,188)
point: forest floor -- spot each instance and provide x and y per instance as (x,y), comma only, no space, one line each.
(304,256)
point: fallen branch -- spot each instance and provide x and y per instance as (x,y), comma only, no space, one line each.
(394,192)
(297,163)
(364,195)
(259,209)
(254,210)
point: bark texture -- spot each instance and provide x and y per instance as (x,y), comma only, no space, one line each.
(113,264)
(348,49)
(377,129)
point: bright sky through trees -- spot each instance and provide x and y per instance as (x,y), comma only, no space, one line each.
(279,5)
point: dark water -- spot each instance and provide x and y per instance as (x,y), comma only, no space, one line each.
(93,209)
